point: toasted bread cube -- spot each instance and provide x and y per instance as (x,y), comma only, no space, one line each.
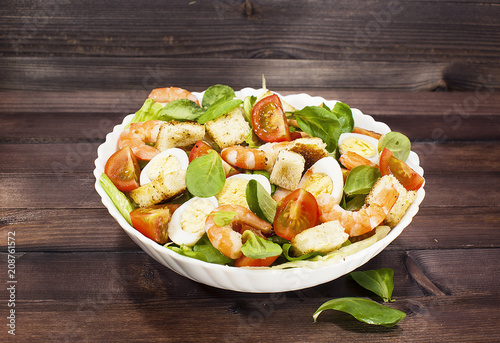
(165,187)
(323,238)
(174,134)
(312,149)
(229,129)
(287,170)
(404,201)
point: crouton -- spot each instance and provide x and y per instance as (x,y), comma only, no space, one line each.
(404,201)
(287,170)
(312,149)
(167,186)
(229,129)
(174,134)
(323,238)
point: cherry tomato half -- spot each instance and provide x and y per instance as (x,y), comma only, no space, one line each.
(269,120)
(123,170)
(200,149)
(153,221)
(244,261)
(389,164)
(296,212)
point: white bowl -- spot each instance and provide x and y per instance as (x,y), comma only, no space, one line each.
(247,279)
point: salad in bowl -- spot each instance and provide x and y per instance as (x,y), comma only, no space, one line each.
(253,191)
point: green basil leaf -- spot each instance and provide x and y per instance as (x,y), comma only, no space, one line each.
(181,109)
(354,202)
(364,310)
(205,175)
(320,122)
(218,109)
(120,200)
(397,143)
(344,114)
(380,281)
(203,250)
(361,179)
(223,218)
(258,247)
(148,111)
(215,93)
(286,252)
(260,201)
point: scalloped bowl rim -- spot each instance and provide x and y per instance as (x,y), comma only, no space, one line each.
(256,280)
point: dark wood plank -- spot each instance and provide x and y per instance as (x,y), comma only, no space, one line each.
(77,296)
(405,31)
(88,73)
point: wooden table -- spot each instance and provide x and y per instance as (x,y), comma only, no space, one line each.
(70,71)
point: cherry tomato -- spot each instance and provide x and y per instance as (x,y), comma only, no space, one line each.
(269,120)
(123,170)
(200,148)
(296,212)
(244,261)
(389,164)
(152,221)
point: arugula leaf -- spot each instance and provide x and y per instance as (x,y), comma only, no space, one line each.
(364,310)
(202,250)
(248,104)
(380,282)
(258,247)
(205,175)
(260,201)
(181,109)
(215,93)
(320,122)
(218,109)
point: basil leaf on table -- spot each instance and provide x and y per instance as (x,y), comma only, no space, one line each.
(320,122)
(205,175)
(380,281)
(218,109)
(215,93)
(364,310)
(181,109)
(258,247)
(260,201)
(361,179)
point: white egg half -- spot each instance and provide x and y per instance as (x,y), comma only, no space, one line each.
(187,224)
(363,145)
(324,176)
(168,160)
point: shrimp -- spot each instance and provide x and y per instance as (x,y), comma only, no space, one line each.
(169,94)
(227,238)
(359,222)
(253,159)
(138,136)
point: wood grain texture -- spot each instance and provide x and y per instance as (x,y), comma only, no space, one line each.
(109,297)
